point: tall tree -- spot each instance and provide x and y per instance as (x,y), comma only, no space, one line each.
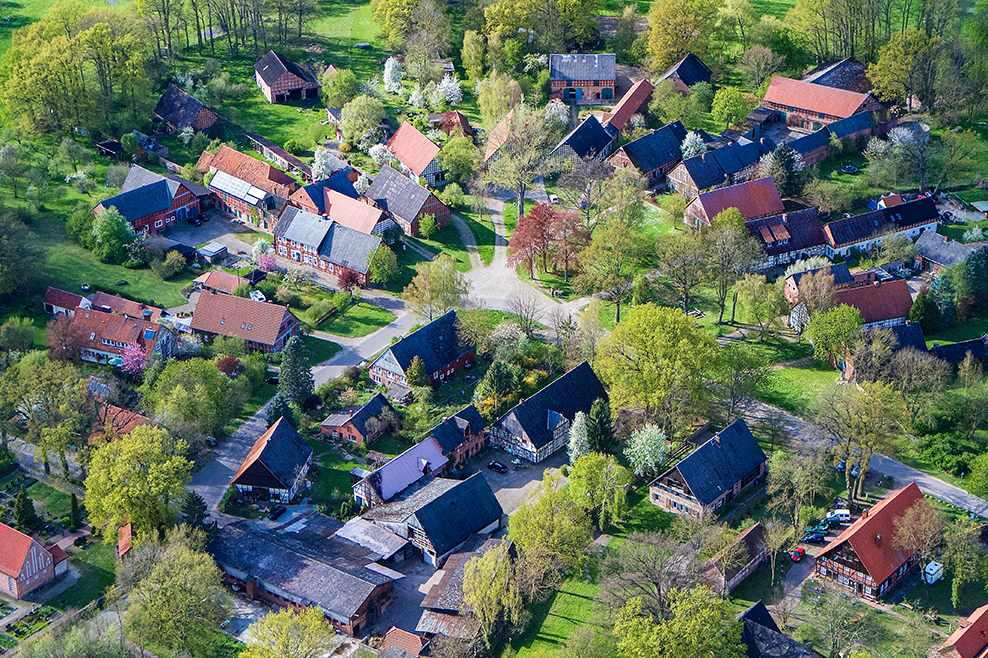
(472,54)
(533,238)
(645,450)
(609,263)
(919,531)
(834,331)
(600,431)
(295,381)
(548,522)
(793,481)
(24,512)
(279,408)
(684,263)
(571,237)
(740,375)
(136,479)
(645,567)
(289,634)
(579,441)
(677,27)
(15,249)
(584,186)
(785,166)
(598,482)
(491,590)
(657,359)
(437,289)
(731,253)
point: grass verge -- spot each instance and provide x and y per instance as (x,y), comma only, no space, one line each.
(357,321)
(320,350)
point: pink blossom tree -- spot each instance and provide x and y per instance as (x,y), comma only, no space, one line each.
(267,262)
(134,359)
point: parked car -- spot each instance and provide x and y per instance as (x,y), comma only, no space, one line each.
(841,466)
(271,380)
(821,528)
(276,513)
(798,554)
(498,467)
(553,199)
(815,538)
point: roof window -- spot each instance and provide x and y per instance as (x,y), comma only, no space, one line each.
(222,320)
(92,336)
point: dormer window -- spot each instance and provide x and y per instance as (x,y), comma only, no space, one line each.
(222,320)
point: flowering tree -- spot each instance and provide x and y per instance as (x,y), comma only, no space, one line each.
(392,76)
(229,365)
(267,262)
(416,98)
(556,111)
(533,238)
(134,359)
(362,185)
(259,249)
(449,88)
(324,164)
(646,450)
(693,145)
(379,154)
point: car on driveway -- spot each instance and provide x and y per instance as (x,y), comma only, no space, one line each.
(276,513)
(820,528)
(498,467)
(553,199)
(814,538)
(798,554)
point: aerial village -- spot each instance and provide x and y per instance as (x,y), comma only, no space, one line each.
(492,330)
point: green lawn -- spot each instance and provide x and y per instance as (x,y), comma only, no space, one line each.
(483,232)
(319,350)
(796,389)
(510,214)
(332,485)
(555,619)
(359,320)
(98,567)
(777,8)
(975,327)
(642,516)
(408,262)
(758,586)
(50,500)
(7,642)
(447,241)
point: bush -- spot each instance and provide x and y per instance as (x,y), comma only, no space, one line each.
(288,297)
(311,403)
(171,266)
(294,146)
(318,310)
(453,195)
(806,634)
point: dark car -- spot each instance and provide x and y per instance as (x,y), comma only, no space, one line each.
(498,467)
(815,538)
(204,218)
(191,221)
(276,513)
(271,380)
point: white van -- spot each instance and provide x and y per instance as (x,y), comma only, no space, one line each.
(842,515)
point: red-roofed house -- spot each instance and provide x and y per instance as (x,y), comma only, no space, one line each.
(360,215)
(218,281)
(113,421)
(101,337)
(864,558)
(417,155)
(25,565)
(404,640)
(810,106)
(264,326)
(633,101)
(881,304)
(127,307)
(248,169)
(59,302)
(970,640)
(754,199)
(59,557)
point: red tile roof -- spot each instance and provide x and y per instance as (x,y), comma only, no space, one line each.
(62,299)
(873,536)
(814,98)
(14,546)
(219,280)
(971,639)
(121,306)
(498,136)
(226,315)
(90,327)
(57,554)
(404,640)
(125,540)
(755,199)
(352,213)
(248,169)
(122,420)
(412,148)
(879,301)
(630,103)
(452,122)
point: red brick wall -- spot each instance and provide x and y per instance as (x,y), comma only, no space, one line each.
(448,370)
(284,85)
(285,250)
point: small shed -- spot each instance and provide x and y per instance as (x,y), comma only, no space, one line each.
(213,253)
(110,148)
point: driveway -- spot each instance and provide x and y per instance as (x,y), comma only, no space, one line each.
(214,479)
(218,226)
(928,484)
(511,488)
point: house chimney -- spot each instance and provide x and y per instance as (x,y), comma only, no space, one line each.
(946,238)
(717,438)
(864,514)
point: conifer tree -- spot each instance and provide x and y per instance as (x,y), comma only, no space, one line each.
(599,431)
(416,374)
(74,511)
(24,512)
(295,381)
(280,408)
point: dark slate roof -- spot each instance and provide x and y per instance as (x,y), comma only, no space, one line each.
(371,409)
(811,142)
(143,201)
(588,139)
(456,513)
(882,221)
(852,124)
(139,177)
(721,462)
(450,433)
(297,225)
(957,352)
(839,271)
(338,583)
(713,167)
(803,226)
(658,148)
(690,70)
(759,614)
(848,74)
(762,638)
(339,181)
(910,334)
(272,66)
(399,195)
(575,391)
(581,67)
(437,344)
(177,107)
(942,250)
(281,451)
(348,247)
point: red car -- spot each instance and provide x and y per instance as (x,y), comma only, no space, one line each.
(798,554)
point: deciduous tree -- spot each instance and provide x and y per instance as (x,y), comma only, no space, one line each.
(919,531)
(437,289)
(523,156)
(491,590)
(359,120)
(110,233)
(677,27)
(289,634)
(758,63)
(740,375)
(548,521)
(579,442)
(646,450)
(598,482)
(609,263)
(834,331)
(533,238)
(730,106)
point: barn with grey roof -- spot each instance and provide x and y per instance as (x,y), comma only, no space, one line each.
(437,344)
(653,155)
(406,201)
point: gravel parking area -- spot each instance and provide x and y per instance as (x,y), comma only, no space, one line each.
(409,592)
(512,487)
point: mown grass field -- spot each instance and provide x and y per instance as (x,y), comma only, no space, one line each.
(556,618)
(49,499)
(98,566)
(358,320)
